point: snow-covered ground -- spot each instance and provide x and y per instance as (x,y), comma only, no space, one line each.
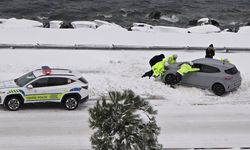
(117,70)
(188,117)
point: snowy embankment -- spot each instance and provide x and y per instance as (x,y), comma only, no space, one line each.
(104,35)
(188,117)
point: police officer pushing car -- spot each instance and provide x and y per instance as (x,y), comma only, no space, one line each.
(158,65)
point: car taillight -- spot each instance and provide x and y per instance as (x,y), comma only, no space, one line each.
(228,77)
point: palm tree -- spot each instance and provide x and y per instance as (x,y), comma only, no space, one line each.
(124,122)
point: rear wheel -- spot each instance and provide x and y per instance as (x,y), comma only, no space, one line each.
(218,89)
(70,102)
(13,103)
(170,79)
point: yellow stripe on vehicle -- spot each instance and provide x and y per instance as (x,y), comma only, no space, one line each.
(37,97)
(13,91)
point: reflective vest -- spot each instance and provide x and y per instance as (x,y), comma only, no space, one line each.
(159,68)
(171,59)
(186,68)
(225,60)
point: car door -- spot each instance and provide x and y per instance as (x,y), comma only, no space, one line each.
(37,90)
(57,86)
(206,76)
(47,89)
(192,78)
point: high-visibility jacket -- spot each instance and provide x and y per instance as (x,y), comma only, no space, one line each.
(159,68)
(186,68)
(225,60)
(171,59)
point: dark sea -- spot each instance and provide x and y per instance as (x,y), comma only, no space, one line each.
(227,13)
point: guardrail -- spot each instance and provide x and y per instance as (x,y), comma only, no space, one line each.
(116,47)
(213,148)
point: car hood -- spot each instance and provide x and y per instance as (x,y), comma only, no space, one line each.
(8,84)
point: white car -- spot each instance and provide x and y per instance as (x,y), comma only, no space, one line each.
(45,85)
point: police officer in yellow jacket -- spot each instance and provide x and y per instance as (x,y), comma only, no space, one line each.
(184,69)
(158,64)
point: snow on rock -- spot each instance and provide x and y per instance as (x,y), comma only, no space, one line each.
(55,24)
(101,22)
(204,29)
(84,24)
(142,27)
(19,23)
(118,37)
(169,29)
(3,20)
(245,30)
(203,21)
(172,18)
(111,27)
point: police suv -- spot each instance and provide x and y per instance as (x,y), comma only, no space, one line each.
(45,85)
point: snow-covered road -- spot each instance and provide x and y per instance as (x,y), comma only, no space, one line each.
(188,117)
(44,127)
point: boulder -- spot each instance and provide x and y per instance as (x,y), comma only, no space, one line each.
(55,24)
(193,23)
(204,29)
(66,25)
(20,23)
(204,21)
(141,27)
(84,24)
(155,15)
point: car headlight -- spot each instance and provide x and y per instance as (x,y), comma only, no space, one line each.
(2,92)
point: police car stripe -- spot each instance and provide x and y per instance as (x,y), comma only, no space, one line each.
(50,96)
(13,91)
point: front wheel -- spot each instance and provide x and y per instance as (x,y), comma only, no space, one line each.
(13,103)
(170,79)
(70,102)
(218,89)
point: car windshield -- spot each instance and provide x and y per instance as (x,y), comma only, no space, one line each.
(23,80)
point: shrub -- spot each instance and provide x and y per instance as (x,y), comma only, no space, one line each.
(123,122)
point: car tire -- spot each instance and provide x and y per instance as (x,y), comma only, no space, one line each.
(170,79)
(71,102)
(218,89)
(13,103)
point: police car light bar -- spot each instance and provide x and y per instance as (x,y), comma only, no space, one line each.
(46,70)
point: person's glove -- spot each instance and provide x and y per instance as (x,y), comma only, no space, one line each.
(148,74)
(144,75)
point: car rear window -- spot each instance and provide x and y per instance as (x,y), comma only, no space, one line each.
(232,71)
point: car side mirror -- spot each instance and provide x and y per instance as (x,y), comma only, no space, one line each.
(30,86)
